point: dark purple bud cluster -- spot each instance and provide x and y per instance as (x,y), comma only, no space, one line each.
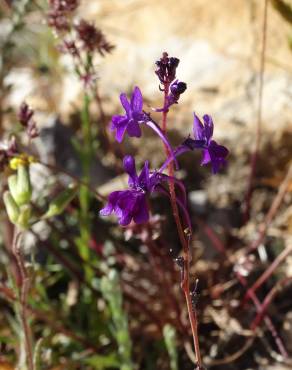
(80,41)
(60,12)
(92,38)
(25,116)
(166,68)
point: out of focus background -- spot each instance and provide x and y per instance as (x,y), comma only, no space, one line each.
(105,297)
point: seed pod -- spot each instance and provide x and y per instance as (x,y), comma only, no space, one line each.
(58,205)
(12,208)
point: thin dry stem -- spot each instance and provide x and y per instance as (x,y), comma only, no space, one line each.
(255,153)
(269,271)
(272,211)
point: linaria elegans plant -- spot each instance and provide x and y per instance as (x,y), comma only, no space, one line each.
(132,204)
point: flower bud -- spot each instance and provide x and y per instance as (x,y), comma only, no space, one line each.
(129,164)
(178,87)
(12,185)
(58,205)
(23,186)
(12,208)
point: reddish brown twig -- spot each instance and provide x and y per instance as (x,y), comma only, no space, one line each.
(268,299)
(272,211)
(269,271)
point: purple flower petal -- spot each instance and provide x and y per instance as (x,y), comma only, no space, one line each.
(134,129)
(206,157)
(121,129)
(125,207)
(125,103)
(116,121)
(110,206)
(141,214)
(144,177)
(218,150)
(215,154)
(208,127)
(137,100)
(198,128)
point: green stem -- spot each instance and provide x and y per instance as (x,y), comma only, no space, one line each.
(86,153)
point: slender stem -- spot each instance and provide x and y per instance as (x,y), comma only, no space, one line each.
(24,287)
(185,284)
(255,153)
(180,150)
(154,126)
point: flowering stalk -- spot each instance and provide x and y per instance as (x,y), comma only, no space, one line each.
(132,204)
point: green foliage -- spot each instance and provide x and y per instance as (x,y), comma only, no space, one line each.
(99,362)
(110,287)
(170,342)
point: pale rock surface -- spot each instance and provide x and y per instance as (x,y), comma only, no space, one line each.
(218,44)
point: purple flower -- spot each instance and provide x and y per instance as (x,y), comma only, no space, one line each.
(212,152)
(134,116)
(131,204)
